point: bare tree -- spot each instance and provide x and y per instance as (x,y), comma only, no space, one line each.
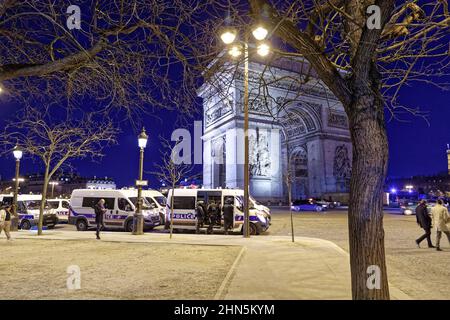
(365,52)
(55,142)
(171,171)
(365,69)
(133,56)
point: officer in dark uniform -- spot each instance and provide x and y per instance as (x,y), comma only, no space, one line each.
(228,210)
(100,211)
(214,215)
(200,215)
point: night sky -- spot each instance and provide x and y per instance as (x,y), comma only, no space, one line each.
(415,147)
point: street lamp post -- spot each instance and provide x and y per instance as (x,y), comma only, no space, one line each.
(17,152)
(138,225)
(53,184)
(229,36)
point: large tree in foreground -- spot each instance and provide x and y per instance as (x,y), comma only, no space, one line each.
(365,64)
(55,141)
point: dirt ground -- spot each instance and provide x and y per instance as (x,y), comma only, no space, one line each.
(421,273)
(37,269)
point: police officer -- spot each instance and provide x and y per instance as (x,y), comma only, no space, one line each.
(228,210)
(213,213)
(5,219)
(200,215)
(100,211)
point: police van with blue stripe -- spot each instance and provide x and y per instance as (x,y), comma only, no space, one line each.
(28,208)
(185,203)
(120,206)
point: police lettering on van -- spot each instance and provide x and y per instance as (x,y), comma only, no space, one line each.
(120,206)
(28,208)
(186,200)
(61,208)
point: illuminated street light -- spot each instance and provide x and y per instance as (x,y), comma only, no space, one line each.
(18,153)
(53,184)
(228,35)
(138,225)
(263,49)
(260,33)
(235,51)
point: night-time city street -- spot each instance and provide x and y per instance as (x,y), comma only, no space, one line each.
(258,152)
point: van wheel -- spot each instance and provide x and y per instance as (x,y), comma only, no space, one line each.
(319,209)
(129,226)
(252,228)
(81,225)
(25,225)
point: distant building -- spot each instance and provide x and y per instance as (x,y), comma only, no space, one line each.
(437,185)
(64,184)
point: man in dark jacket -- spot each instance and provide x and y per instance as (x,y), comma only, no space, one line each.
(424,221)
(100,211)
(214,215)
(228,210)
(200,215)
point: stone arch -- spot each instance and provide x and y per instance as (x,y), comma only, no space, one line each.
(302,119)
(299,169)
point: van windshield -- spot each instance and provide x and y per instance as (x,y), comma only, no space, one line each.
(146,205)
(32,204)
(161,201)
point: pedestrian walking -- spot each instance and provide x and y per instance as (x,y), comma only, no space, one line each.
(424,221)
(440,218)
(5,220)
(100,211)
(228,210)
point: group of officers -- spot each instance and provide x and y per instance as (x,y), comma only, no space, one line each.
(210,214)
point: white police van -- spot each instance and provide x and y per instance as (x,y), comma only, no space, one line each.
(28,206)
(61,208)
(120,205)
(157,202)
(185,202)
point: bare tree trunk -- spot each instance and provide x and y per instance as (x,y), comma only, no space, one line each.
(44,198)
(366,234)
(290,207)
(171,210)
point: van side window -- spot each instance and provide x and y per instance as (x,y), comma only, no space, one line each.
(124,205)
(151,202)
(53,204)
(8,200)
(184,203)
(228,199)
(90,202)
(65,204)
(21,207)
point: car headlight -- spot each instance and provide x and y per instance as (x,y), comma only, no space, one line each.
(408,211)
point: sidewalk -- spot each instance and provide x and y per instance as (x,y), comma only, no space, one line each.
(267,267)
